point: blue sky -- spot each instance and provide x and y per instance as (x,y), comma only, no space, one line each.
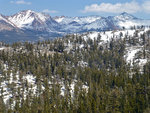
(139,8)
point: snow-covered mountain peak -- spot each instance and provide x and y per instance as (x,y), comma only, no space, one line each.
(45,25)
(80,20)
(125,16)
(27,11)
(59,18)
(26,18)
(88,19)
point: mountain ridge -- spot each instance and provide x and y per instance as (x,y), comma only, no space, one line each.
(30,23)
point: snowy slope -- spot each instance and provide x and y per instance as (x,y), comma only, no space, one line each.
(32,20)
(131,56)
(28,80)
(3,18)
(44,26)
(126,20)
(98,23)
(75,24)
(29,19)
(101,24)
(133,53)
(131,23)
(80,20)
(6,24)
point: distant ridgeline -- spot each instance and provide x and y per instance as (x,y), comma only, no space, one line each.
(33,26)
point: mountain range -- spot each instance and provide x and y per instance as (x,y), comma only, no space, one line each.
(29,25)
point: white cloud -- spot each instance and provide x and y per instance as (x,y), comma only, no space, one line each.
(21,2)
(49,11)
(146,6)
(130,7)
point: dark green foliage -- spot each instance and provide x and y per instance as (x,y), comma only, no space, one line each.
(112,87)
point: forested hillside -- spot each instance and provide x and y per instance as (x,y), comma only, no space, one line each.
(94,72)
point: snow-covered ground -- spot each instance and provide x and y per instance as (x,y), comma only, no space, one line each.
(2,48)
(130,55)
(71,88)
(107,36)
(131,52)
(27,84)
